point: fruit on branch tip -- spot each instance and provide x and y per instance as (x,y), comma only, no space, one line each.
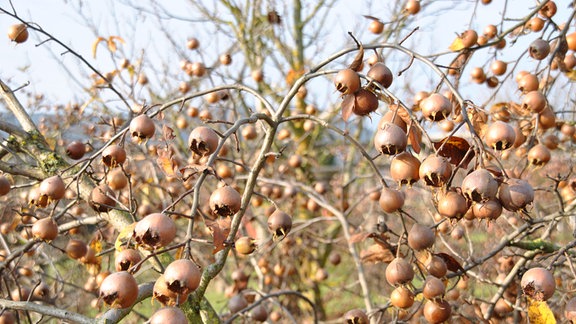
(390,139)
(182,276)
(405,169)
(412,7)
(527,82)
(18,33)
(76,150)
(434,288)
(391,200)
(399,272)
(45,229)
(192,43)
(102,198)
(436,266)
(515,194)
(249,132)
(436,312)
(53,188)
(479,186)
(500,136)
(203,141)
(119,290)
(154,231)
(347,81)
(380,73)
(490,209)
(534,101)
(279,224)
(142,128)
(113,155)
(356,316)
(245,245)
(165,296)
(548,10)
(225,201)
(393,116)
(237,303)
(116,179)
(402,297)
(4,185)
(539,155)
(452,204)
(259,313)
(535,24)
(490,31)
(539,49)
(225,59)
(376,26)
(538,283)
(498,67)
(436,107)
(76,249)
(365,102)
(172,315)
(421,237)
(435,171)
(126,259)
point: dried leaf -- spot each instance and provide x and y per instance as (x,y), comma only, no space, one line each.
(377,253)
(359,237)
(454,148)
(192,169)
(539,312)
(348,103)
(414,137)
(459,62)
(479,120)
(220,230)
(166,162)
(167,133)
(451,263)
(371,17)
(95,45)
(112,43)
(358,59)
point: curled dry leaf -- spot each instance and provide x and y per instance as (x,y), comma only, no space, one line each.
(167,163)
(414,137)
(220,230)
(167,133)
(479,120)
(455,148)
(356,64)
(377,253)
(451,263)
(348,102)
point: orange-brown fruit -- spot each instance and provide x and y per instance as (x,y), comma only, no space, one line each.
(535,24)
(528,82)
(548,10)
(53,188)
(279,224)
(405,168)
(142,128)
(452,205)
(534,101)
(182,276)
(489,209)
(347,81)
(380,73)
(538,283)
(154,231)
(433,288)
(399,271)
(237,303)
(539,49)
(402,297)
(392,116)
(203,141)
(498,67)
(469,38)
(18,33)
(435,171)
(390,139)
(76,249)
(75,150)
(165,296)
(490,31)
(225,59)
(119,290)
(259,313)
(412,7)
(126,259)
(225,201)
(356,316)
(113,155)
(436,107)
(193,43)
(365,102)
(539,155)
(435,265)
(198,69)
(421,237)
(376,26)
(391,200)
(477,74)
(116,179)
(102,198)
(515,194)
(45,229)
(436,312)
(500,136)
(245,245)
(479,186)
(172,315)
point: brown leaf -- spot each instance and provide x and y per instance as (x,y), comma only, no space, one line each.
(376,253)
(220,230)
(414,137)
(459,62)
(454,148)
(359,237)
(358,59)
(451,263)
(167,133)
(370,17)
(479,120)
(348,103)
(166,162)
(192,169)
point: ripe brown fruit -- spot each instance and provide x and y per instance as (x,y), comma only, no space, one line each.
(225,59)
(500,136)
(119,290)
(53,188)
(490,31)
(380,73)
(249,132)
(126,259)
(347,81)
(433,288)
(399,272)
(548,10)
(435,171)
(102,198)
(172,315)
(479,186)
(535,24)
(18,33)
(279,224)
(436,266)
(4,185)
(165,296)
(225,201)
(356,316)
(515,194)
(539,155)
(245,245)
(76,249)
(412,7)
(182,276)
(477,74)
(534,101)
(528,82)
(365,102)
(538,283)
(45,229)
(469,38)
(405,169)
(203,140)
(452,205)
(113,155)
(498,67)
(197,69)
(376,26)
(154,231)
(75,150)
(436,312)
(392,116)
(539,49)
(490,209)
(391,200)
(237,303)
(390,139)
(116,179)
(421,237)
(192,43)
(259,313)
(142,128)
(402,297)
(436,107)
